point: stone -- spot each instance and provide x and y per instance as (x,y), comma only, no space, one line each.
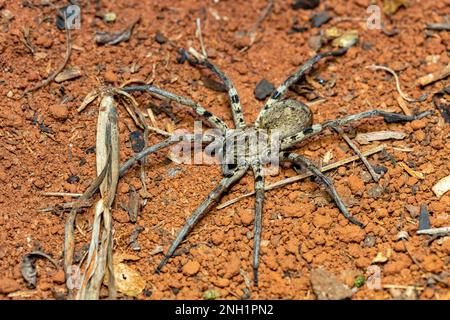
(8,286)
(59,111)
(191,268)
(263,89)
(305,4)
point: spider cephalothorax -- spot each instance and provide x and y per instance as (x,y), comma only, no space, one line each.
(287,122)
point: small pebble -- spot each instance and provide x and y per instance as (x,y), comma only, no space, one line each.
(137,141)
(59,111)
(263,89)
(424,218)
(191,268)
(59,277)
(8,286)
(376,191)
(110,76)
(110,17)
(319,19)
(160,38)
(73,179)
(305,4)
(369,241)
(39,183)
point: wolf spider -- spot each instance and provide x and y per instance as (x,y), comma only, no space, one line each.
(291,119)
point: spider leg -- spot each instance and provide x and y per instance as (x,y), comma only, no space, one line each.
(212,199)
(277,95)
(236,109)
(259,201)
(315,129)
(301,160)
(163,144)
(211,118)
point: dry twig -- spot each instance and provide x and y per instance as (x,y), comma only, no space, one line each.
(366,162)
(53,75)
(433,77)
(397,83)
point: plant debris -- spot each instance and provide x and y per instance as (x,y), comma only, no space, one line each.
(381,257)
(68,74)
(441,187)
(435,231)
(411,172)
(134,205)
(53,75)
(29,270)
(366,138)
(211,294)
(391,6)
(133,238)
(397,83)
(433,77)
(110,17)
(61,16)
(112,38)
(441,101)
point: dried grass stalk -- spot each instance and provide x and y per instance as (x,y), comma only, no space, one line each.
(107,155)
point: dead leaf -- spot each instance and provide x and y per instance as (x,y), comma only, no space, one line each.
(391,6)
(28,268)
(68,74)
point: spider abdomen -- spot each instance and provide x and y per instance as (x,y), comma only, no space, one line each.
(287,117)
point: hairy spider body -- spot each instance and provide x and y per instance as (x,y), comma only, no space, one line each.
(284,123)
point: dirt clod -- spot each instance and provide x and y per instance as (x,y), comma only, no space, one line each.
(59,111)
(355,183)
(327,286)
(8,286)
(232,268)
(191,268)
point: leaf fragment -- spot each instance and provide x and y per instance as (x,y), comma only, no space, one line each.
(441,187)
(411,172)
